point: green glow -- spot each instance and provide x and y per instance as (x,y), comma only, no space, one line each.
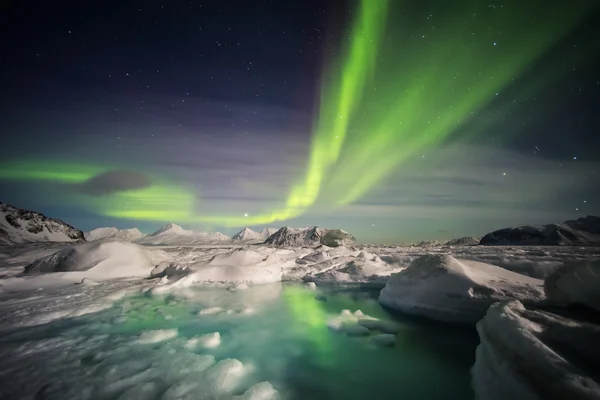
(311,321)
(405,86)
(399,87)
(50,171)
(162,201)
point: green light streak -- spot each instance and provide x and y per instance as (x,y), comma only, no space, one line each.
(399,88)
(50,171)
(310,319)
(162,201)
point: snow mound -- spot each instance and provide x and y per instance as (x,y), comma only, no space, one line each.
(175,235)
(444,288)
(113,233)
(19,226)
(312,236)
(580,232)
(350,270)
(575,284)
(238,266)
(100,260)
(532,354)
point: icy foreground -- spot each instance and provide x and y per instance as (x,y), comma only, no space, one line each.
(533,354)
(111,319)
(444,288)
(120,341)
(543,351)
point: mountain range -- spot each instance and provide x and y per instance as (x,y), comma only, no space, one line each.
(19,226)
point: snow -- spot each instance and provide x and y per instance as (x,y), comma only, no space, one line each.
(175,235)
(100,260)
(19,226)
(444,288)
(533,354)
(313,236)
(113,233)
(577,283)
(238,266)
(115,319)
(248,235)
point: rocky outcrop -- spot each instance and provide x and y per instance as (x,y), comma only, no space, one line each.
(313,236)
(19,226)
(580,232)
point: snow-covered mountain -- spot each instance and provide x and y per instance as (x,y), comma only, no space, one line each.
(19,226)
(428,243)
(463,241)
(113,233)
(312,236)
(580,232)
(248,234)
(175,235)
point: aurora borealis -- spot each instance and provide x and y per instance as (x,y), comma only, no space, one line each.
(423,119)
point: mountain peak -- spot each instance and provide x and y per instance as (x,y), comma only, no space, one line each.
(23,226)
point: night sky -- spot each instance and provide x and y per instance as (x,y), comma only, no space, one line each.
(396,120)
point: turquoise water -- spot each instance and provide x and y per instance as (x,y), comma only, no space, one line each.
(278,331)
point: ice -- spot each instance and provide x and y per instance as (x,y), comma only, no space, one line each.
(157,335)
(175,235)
(576,283)
(536,354)
(208,341)
(384,339)
(238,266)
(260,391)
(143,391)
(444,288)
(169,333)
(100,260)
(211,311)
(113,233)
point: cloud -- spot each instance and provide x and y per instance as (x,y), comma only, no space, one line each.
(113,182)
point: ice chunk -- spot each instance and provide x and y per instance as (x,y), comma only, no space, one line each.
(225,376)
(444,288)
(208,341)
(577,283)
(211,311)
(155,336)
(260,391)
(379,325)
(534,354)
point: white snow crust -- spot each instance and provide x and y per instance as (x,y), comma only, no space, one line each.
(444,288)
